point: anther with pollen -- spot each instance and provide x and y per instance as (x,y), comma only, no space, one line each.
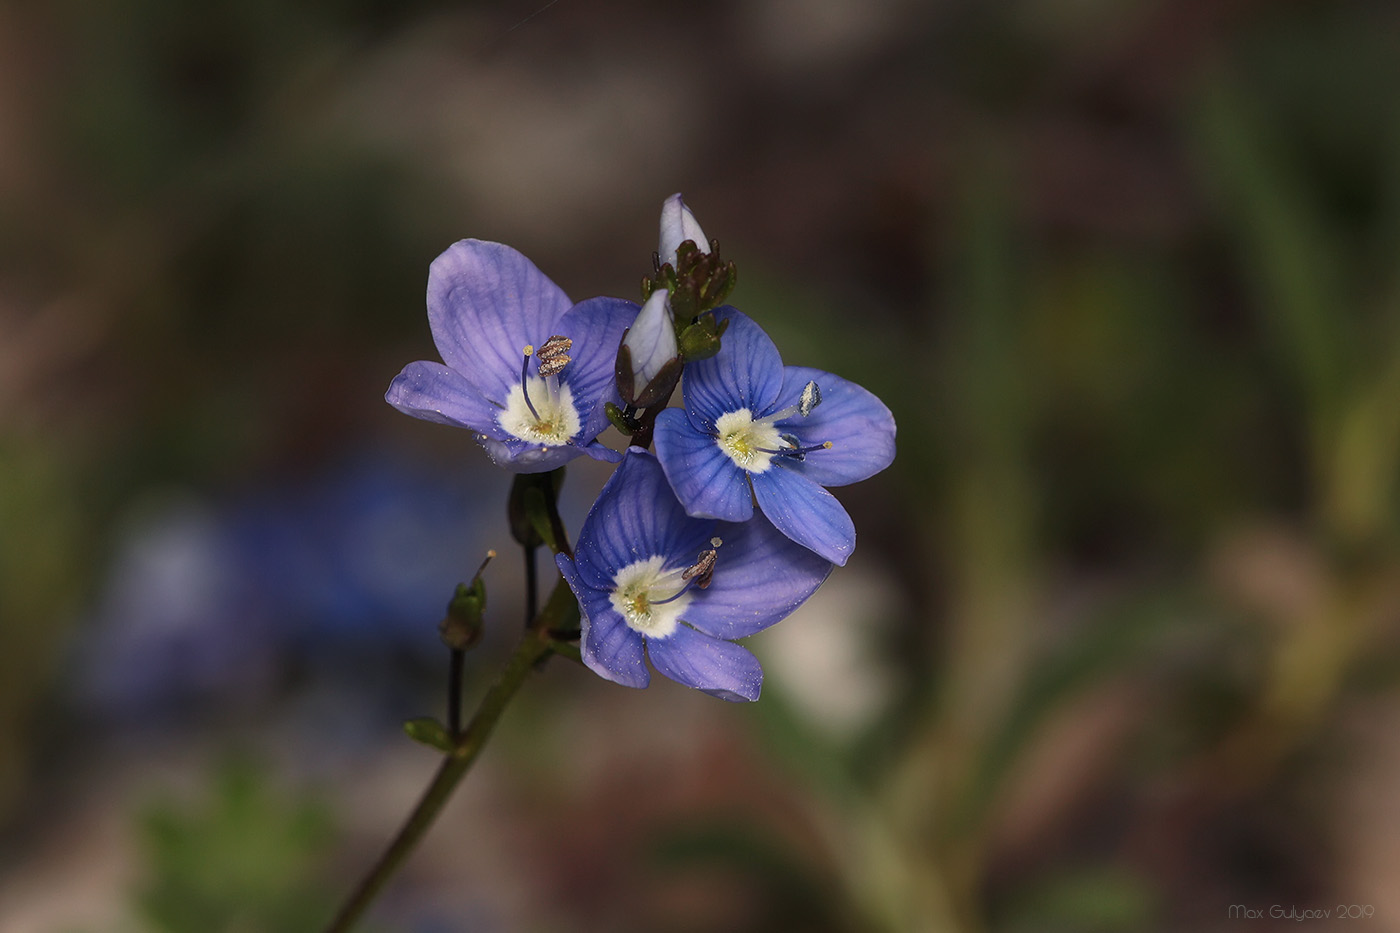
(810,398)
(554,355)
(703,570)
(699,573)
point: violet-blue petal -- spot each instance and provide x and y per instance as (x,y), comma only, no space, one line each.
(860,427)
(718,667)
(609,648)
(761,576)
(434,392)
(635,517)
(805,512)
(519,456)
(601,452)
(596,327)
(746,373)
(706,480)
(486,302)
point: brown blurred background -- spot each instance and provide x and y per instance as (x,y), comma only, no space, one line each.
(1118,648)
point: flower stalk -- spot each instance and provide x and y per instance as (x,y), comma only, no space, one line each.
(558,615)
(533,510)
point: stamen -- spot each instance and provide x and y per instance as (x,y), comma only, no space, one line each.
(554,355)
(698,574)
(703,570)
(525,380)
(810,398)
(794,450)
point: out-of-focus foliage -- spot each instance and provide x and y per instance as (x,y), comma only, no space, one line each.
(246,860)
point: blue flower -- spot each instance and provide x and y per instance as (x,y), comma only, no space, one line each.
(527,371)
(754,429)
(652,581)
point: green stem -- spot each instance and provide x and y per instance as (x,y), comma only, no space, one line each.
(534,648)
(455,660)
(532,585)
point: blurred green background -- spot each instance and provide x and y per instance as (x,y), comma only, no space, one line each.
(1118,648)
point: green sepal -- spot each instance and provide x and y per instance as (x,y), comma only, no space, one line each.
(619,419)
(461,628)
(700,281)
(701,340)
(659,390)
(623,375)
(430,732)
(537,512)
(522,522)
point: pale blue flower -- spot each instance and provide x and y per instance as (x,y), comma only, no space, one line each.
(527,371)
(654,582)
(754,429)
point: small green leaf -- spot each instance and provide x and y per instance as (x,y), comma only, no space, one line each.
(430,732)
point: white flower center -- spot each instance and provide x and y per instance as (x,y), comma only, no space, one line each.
(554,419)
(646,597)
(747,442)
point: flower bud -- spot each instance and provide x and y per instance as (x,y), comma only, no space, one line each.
(461,627)
(678,224)
(651,341)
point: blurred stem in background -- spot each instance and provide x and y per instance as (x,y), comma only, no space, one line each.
(1338,341)
(937,794)
(916,838)
(921,833)
(41,543)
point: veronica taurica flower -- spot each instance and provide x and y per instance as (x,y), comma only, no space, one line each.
(654,582)
(527,371)
(754,429)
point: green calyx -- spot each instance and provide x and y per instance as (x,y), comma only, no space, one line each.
(698,282)
(531,509)
(700,340)
(462,627)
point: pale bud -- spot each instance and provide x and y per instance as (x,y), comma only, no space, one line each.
(652,338)
(678,224)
